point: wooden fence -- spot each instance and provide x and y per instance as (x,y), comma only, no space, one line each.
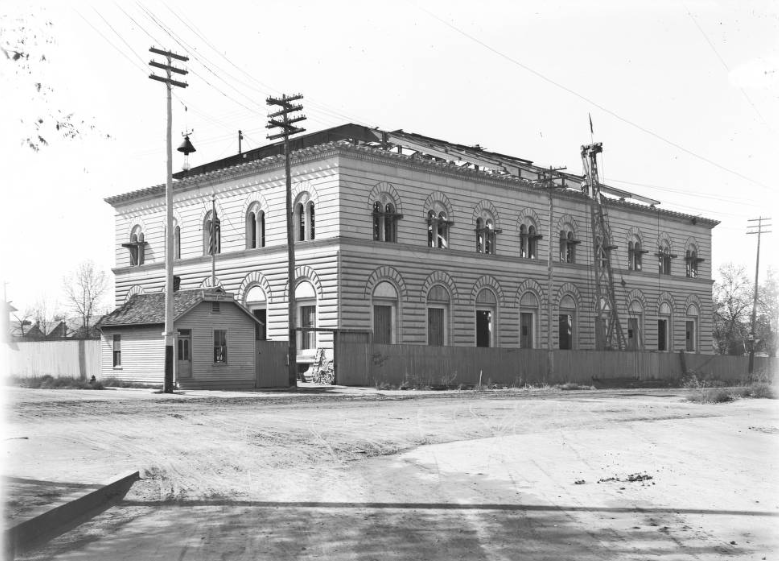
(367,364)
(73,358)
(272,370)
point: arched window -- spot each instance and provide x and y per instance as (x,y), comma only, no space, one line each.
(486,310)
(305,304)
(568,244)
(378,226)
(255,227)
(256,301)
(635,340)
(635,254)
(390,223)
(304,219)
(566,323)
(136,246)
(691,329)
(176,241)
(385,222)
(528,240)
(692,260)
(438,316)
(485,234)
(528,320)
(300,220)
(664,257)
(664,326)
(385,313)
(212,235)
(437,229)
(311,220)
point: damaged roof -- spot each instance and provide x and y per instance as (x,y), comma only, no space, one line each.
(403,144)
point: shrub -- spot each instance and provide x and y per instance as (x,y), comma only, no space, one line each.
(762,391)
(573,386)
(49,382)
(117,383)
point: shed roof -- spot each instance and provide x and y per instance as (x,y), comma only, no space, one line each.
(149,309)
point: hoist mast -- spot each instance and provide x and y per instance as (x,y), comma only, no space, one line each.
(608,330)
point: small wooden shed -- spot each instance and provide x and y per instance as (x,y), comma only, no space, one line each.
(215,344)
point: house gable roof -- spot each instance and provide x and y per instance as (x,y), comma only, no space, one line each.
(149,309)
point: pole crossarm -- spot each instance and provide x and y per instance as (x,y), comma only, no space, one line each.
(168,67)
(169,81)
(170,54)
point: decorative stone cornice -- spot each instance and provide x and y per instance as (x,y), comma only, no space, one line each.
(379,155)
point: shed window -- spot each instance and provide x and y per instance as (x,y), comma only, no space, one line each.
(220,346)
(117,351)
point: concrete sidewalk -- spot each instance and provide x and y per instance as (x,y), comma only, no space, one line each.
(61,507)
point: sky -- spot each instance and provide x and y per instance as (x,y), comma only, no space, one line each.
(684,96)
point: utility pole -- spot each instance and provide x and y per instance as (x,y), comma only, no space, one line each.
(755,229)
(240,138)
(282,120)
(549,182)
(169,82)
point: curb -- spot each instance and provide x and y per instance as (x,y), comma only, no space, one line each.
(60,519)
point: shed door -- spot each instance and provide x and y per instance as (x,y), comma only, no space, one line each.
(184,354)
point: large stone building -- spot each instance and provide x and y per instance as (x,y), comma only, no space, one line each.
(423,242)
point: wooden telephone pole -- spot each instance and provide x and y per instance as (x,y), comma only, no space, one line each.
(281,119)
(759,230)
(169,82)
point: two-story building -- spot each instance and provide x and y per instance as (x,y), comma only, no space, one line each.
(423,242)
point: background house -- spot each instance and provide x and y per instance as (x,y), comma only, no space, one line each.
(215,346)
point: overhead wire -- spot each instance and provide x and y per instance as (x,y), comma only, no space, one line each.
(197,58)
(592,102)
(309,101)
(107,40)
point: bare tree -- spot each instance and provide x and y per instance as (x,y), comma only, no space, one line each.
(23,320)
(25,39)
(84,288)
(42,315)
(732,307)
(767,328)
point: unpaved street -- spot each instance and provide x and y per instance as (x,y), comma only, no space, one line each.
(403,475)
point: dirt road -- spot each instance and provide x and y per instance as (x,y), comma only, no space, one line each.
(396,475)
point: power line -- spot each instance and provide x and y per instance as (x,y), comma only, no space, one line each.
(107,40)
(197,58)
(590,101)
